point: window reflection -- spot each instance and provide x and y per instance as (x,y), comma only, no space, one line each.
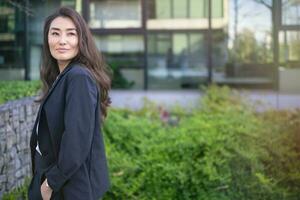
(291,12)
(198,9)
(122,50)
(242,51)
(115,14)
(176,60)
(180,9)
(183,9)
(124,54)
(289,42)
(11,38)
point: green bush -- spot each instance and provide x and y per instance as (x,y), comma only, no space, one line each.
(281,136)
(223,149)
(11,90)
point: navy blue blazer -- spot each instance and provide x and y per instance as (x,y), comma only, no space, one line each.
(70,137)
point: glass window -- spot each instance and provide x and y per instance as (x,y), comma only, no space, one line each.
(242,51)
(11,37)
(217,8)
(122,50)
(291,12)
(197,52)
(176,60)
(159,43)
(174,9)
(289,42)
(115,14)
(124,54)
(180,9)
(151,44)
(180,50)
(163,9)
(180,43)
(120,43)
(198,8)
(163,43)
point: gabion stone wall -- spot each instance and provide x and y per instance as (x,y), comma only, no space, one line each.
(16,123)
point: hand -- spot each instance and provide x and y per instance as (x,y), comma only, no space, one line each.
(46,191)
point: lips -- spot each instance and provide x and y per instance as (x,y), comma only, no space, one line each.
(62,50)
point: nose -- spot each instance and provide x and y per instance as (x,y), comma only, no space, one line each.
(62,40)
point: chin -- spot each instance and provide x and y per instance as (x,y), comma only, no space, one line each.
(63,58)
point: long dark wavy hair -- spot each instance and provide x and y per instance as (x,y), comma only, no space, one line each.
(89,56)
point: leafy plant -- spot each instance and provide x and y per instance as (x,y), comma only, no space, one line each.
(11,90)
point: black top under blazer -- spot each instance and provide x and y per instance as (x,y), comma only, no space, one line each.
(70,137)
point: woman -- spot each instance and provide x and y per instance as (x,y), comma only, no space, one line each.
(67,149)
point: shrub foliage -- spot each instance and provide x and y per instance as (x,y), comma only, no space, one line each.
(223,149)
(11,90)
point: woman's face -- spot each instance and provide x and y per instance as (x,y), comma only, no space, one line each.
(63,40)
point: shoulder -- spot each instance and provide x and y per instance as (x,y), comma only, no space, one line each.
(79,75)
(79,72)
(77,69)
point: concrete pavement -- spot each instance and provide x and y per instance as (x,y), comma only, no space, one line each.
(188,98)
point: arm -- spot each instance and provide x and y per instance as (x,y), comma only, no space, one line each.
(79,118)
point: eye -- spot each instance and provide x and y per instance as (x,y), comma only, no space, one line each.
(54,33)
(72,33)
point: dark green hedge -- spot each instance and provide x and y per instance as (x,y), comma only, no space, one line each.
(223,149)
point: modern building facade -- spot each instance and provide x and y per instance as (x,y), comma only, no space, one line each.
(166,44)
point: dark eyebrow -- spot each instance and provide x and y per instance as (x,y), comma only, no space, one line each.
(68,29)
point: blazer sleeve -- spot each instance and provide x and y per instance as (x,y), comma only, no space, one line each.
(79,119)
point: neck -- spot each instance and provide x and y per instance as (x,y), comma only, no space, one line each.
(62,65)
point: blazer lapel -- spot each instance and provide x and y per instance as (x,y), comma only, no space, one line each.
(67,68)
